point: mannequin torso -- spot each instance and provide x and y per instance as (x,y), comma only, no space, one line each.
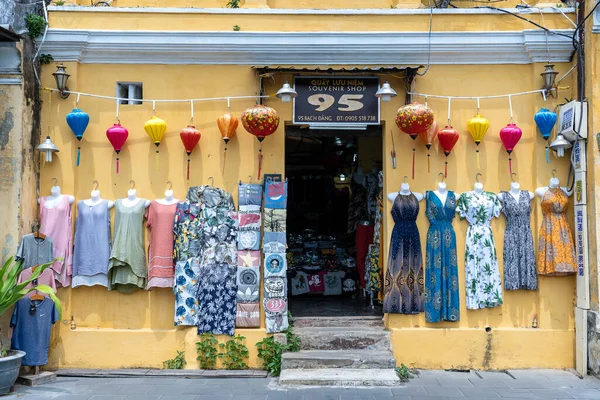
(441,192)
(515,192)
(404,191)
(95,199)
(168,200)
(132,199)
(56,197)
(554,183)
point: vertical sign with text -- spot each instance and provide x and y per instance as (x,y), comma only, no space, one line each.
(332,100)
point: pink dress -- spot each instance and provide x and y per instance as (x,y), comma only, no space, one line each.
(160,219)
(45,278)
(57,224)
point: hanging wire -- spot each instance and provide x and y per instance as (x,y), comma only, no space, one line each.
(429,41)
(510,108)
(449,122)
(478,106)
(117,113)
(192,112)
(77,101)
(499,96)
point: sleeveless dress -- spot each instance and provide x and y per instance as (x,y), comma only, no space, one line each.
(160,250)
(442,300)
(556,255)
(484,288)
(57,224)
(403,293)
(519,258)
(92,245)
(127,267)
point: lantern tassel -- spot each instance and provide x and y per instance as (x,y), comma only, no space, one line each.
(547,154)
(446,168)
(224,159)
(478,163)
(157,159)
(510,165)
(260,157)
(428,162)
(117,165)
(78,156)
(188,169)
(413,163)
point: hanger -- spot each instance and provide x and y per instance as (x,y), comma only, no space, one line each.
(36,230)
(249,179)
(169,185)
(405,179)
(95,185)
(54,182)
(210,178)
(477,176)
(554,173)
(442,175)
(132,183)
(37,296)
(512,176)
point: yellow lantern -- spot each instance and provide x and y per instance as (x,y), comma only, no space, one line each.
(155,128)
(477,127)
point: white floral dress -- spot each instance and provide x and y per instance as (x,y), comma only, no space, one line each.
(484,288)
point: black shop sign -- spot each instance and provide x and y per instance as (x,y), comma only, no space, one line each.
(336,100)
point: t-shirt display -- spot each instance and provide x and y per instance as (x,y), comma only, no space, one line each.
(35,251)
(45,278)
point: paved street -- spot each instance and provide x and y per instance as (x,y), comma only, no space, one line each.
(432,385)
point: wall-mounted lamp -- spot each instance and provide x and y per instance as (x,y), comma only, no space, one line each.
(48,148)
(286,93)
(549,77)
(61,78)
(560,144)
(385,92)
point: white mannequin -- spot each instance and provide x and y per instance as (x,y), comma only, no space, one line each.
(554,183)
(169,198)
(441,192)
(478,187)
(95,199)
(56,197)
(404,191)
(132,199)
(515,192)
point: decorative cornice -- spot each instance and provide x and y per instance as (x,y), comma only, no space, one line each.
(10,81)
(306,48)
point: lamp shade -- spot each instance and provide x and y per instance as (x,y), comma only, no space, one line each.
(545,121)
(414,118)
(117,135)
(190,137)
(48,148)
(227,125)
(78,121)
(155,128)
(477,127)
(448,138)
(260,120)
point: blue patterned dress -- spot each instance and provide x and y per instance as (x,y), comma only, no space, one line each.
(403,292)
(441,286)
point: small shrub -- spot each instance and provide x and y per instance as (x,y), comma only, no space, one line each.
(233,4)
(236,353)
(405,374)
(46,59)
(207,352)
(236,28)
(176,363)
(270,351)
(35,25)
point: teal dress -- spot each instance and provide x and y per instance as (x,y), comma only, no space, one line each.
(441,270)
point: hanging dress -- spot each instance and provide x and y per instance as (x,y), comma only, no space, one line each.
(92,245)
(519,258)
(57,224)
(403,293)
(442,301)
(127,267)
(159,219)
(217,288)
(556,255)
(483,285)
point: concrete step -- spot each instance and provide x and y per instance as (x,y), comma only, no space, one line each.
(346,322)
(335,338)
(339,377)
(350,359)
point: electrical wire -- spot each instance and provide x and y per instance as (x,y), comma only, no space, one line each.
(499,96)
(39,47)
(429,41)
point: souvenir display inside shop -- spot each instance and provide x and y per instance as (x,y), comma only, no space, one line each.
(334,224)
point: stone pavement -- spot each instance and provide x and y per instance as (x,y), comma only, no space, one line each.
(431,385)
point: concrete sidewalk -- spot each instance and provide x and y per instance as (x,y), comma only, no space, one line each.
(432,385)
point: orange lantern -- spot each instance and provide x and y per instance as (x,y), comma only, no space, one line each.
(227,124)
(427,138)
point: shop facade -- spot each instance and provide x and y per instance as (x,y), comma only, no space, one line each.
(476,53)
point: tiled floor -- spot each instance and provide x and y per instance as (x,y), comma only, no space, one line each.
(431,385)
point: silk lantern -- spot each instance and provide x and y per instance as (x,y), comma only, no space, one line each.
(78,121)
(261,121)
(190,137)
(448,138)
(477,127)
(155,128)
(510,136)
(117,135)
(545,121)
(227,124)
(427,138)
(413,119)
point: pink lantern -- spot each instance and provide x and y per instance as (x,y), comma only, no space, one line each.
(117,135)
(510,136)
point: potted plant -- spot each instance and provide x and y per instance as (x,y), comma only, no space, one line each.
(10,293)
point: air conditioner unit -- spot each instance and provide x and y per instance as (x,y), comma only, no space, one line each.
(572,120)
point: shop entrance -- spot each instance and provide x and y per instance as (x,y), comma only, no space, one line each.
(333,182)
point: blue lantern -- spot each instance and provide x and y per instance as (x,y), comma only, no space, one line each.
(78,121)
(545,121)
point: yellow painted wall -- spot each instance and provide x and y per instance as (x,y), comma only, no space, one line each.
(117,330)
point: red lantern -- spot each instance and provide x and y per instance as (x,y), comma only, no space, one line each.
(448,138)
(190,137)
(413,119)
(510,135)
(117,135)
(261,121)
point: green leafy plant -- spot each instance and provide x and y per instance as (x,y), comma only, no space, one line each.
(59,3)
(178,362)
(35,25)
(46,59)
(271,351)
(233,4)
(236,28)
(207,352)
(291,320)
(11,291)
(235,353)
(405,374)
